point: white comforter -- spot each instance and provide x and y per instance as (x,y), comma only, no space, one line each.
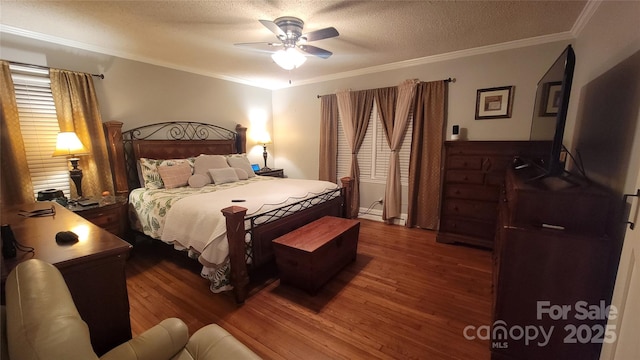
(196,222)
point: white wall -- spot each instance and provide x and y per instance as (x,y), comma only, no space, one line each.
(137,93)
(608,69)
(296,110)
(610,37)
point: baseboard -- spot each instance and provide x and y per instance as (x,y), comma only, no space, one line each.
(376,215)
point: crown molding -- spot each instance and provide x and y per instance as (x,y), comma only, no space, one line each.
(444,57)
(585,16)
(101,50)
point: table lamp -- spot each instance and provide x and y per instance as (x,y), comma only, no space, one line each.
(264,139)
(68,144)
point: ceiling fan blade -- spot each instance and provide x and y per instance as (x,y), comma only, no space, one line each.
(321,34)
(260,46)
(273,28)
(313,50)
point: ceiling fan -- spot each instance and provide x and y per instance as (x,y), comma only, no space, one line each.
(288,30)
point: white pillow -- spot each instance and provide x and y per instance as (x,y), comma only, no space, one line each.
(242,175)
(199,180)
(223,176)
(203,163)
(240,161)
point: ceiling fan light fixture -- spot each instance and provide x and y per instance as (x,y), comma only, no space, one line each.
(289,59)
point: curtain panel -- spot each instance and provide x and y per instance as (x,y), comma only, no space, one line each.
(355,109)
(77,110)
(426,155)
(15,178)
(328,138)
(394,107)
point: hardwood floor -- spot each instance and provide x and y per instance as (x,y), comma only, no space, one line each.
(405,297)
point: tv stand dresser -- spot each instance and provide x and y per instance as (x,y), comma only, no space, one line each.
(551,268)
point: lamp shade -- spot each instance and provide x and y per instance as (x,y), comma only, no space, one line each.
(289,59)
(68,144)
(263,138)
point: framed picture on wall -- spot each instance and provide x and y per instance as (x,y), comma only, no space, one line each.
(494,103)
(550,98)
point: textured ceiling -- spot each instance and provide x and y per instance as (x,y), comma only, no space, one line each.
(198,36)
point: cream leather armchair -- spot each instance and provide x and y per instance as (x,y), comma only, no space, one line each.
(41,322)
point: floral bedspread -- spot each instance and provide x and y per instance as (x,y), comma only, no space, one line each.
(190,218)
(151,206)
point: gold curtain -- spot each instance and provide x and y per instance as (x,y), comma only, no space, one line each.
(328,138)
(15,178)
(77,109)
(355,110)
(426,155)
(395,116)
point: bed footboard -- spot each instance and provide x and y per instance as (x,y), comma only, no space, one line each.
(234,216)
(255,243)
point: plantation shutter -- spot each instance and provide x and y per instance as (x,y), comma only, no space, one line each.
(365,155)
(374,153)
(39,126)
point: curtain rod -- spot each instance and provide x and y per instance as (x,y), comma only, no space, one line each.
(445,80)
(101,76)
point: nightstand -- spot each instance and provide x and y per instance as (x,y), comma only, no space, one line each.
(271,172)
(109,214)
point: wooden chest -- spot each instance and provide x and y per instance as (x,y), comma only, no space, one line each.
(309,256)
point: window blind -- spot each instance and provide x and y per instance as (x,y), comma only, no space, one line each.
(39,126)
(365,154)
(374,153)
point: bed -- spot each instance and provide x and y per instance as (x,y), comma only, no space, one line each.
(233,239)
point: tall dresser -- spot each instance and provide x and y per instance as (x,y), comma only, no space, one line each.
(473,174)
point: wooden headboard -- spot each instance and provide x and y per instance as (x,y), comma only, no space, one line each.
(167,140)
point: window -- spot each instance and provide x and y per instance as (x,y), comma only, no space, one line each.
(39,126)
(374,153)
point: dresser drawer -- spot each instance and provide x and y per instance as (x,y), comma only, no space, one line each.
(472,192)
(494,178)
(464,162)
(498,163)
(464,177)
(472,209)
(104,219)
(110,216)
(470,227)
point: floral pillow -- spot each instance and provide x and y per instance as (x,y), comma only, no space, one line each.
(176,175)
(149,169)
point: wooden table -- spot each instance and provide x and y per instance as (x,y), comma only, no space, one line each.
(93,267)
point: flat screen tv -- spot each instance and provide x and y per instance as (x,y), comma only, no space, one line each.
(550,110)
